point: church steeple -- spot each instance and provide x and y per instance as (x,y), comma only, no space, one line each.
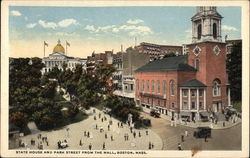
(206,25)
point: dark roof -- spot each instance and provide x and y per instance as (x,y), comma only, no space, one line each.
(192,83)
(167,64)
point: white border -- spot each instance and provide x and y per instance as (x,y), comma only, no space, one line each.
(245,79)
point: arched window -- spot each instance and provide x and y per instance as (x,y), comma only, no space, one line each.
(172,86)
(152,86)
(197,64)
(214,30)
(164,87)
(199,31)
(142,85)
(216,87)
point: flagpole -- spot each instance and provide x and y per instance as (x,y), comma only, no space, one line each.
(43,49)
(66,48)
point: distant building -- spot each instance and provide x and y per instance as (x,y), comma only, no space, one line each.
(128,63)
(157,51)
(191,85)
(59,59)
(98,59)
(231,44)
(117,75)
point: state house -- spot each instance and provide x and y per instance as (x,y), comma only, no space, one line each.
(192,84)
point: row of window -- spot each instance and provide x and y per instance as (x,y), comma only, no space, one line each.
(156,85)
(193,106)
(193,92)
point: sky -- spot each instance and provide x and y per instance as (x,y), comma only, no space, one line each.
(100,29)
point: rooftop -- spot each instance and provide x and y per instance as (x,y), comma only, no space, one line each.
(192,83)
(177,63)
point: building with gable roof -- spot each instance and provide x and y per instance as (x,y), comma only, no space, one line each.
(194,85)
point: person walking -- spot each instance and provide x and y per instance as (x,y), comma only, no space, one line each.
(134,134)
(80,142)
(96,127)
(179,146)
(118,124)
(149,145)
(102,119)
(121,125)
(186,133)
(106,136)
(88,134)
(90,146)
(103,146)
(111,137)
(152,146)
(108,127)
(84,133)
(47,142)
(182,138)
(125,136)
(205,138)
(139,134)
(131,130)
(146,132)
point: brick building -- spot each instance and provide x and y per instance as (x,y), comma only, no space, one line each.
(191,85)
(157,51)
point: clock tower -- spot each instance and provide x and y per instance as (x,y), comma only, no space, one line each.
(207,53)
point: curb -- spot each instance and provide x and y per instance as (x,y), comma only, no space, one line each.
(214,128)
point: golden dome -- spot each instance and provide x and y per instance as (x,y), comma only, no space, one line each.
(59,47)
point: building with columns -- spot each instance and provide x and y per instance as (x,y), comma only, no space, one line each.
(194,85)
(58,58)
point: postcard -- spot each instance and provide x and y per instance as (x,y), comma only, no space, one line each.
(125,79)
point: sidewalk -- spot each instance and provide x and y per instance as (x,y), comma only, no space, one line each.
(219,125)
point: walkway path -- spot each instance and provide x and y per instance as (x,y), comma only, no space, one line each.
(76,133)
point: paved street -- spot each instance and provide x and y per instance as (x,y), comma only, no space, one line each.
(222,139)
(96,138)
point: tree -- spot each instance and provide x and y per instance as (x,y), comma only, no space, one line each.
(234,68)
(20,119)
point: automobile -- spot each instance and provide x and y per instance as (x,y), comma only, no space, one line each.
(146,122)
(155,113)
(202,132)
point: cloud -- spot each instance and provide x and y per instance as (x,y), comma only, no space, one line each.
(26,18)
(66,34)
(136,30)
(15,13)
(67,22)
(105,28)
(31,25)
(229,28)
(48,24)
(89,28)
(136,21)
(132,30)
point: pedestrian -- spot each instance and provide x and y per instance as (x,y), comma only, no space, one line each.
(102,119)
(58,144)
(111,137)
(96,126)
(131,129)
(47,143)
(152,146)
(105,118)
(99,115)
(88,134)
(186,133)
(224,124)
(121,125)
(125,136)
(118,124)
(139,134)
(90,146)
(182,138)
(149,145)
(84,133)
(179,146)
(205,138)
(108,127)
(146,132)
(94,117)
(134,134)
(80,142)
(106,136)
(103,146)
